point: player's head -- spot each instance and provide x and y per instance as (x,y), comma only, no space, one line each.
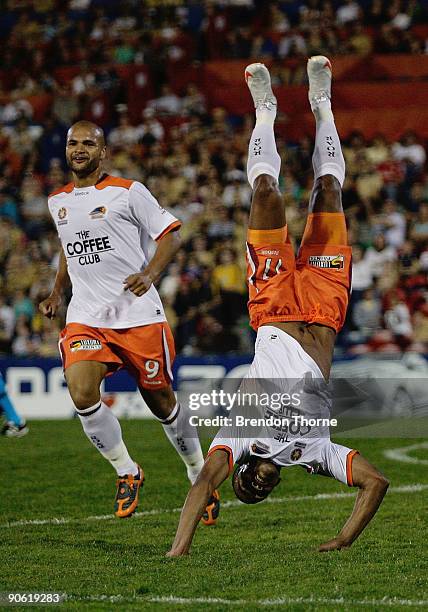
(85,148)
(253,481)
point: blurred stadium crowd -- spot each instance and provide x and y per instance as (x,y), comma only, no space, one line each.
(176,147)
(40,35)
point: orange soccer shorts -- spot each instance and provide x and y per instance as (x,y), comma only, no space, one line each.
(147,352)
(312,287)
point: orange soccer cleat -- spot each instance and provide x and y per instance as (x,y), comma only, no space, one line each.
(126,501)
(212,510)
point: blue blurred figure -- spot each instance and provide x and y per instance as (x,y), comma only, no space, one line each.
(15,426)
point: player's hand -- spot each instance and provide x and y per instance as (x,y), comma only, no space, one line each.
(50,305)
(334,544)
(138,283)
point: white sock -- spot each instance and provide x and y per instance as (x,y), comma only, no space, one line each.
(263,157)
(323,112)
(103,430)
(327,157)
(184,438)
(266,114)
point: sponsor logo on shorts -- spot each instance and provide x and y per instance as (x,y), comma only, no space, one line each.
(333,262)
(98,213)
(296,454)
(87,344)
(62,214)
(81,193)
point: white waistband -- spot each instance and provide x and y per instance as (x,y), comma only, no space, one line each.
(293,344)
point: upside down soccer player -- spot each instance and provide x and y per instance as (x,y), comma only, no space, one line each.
(115,318)
(297,305)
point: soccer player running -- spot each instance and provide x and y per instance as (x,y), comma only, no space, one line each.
(297,306)
(115,317)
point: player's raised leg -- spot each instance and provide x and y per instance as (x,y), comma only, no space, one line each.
(325,255)
(103,429)
(269,251)
(327,160)
(264,163)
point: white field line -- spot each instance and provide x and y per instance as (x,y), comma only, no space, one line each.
(402,454)
(280,601)
(414,488)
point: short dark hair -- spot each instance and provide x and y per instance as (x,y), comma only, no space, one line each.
(99,132)
(253,481)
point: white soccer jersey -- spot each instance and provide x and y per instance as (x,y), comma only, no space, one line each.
(105,231)
(283,371)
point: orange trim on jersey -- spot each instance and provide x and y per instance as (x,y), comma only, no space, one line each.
(114,181)
(228,451)
(325,228)
(66,189)
(174,225)
(349,458)
(267,236)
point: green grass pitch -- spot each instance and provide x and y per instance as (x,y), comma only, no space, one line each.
(256,557)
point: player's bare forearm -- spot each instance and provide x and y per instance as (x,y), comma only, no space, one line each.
(140,282)
(372,489)
(193,509)
(50,305)
(166,249)
(214,472)
(62,279)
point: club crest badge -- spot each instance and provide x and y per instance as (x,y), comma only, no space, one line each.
(62,216)
(98,213)
(296,454)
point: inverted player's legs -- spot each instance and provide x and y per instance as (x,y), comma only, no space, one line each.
(267,206)
(99,423)
(264,163)
(326,196)
(326,223)
(324,258)
(269,251)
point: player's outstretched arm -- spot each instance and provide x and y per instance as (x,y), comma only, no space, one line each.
(141,282)
(214,472)
(50,305)
(373,486)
